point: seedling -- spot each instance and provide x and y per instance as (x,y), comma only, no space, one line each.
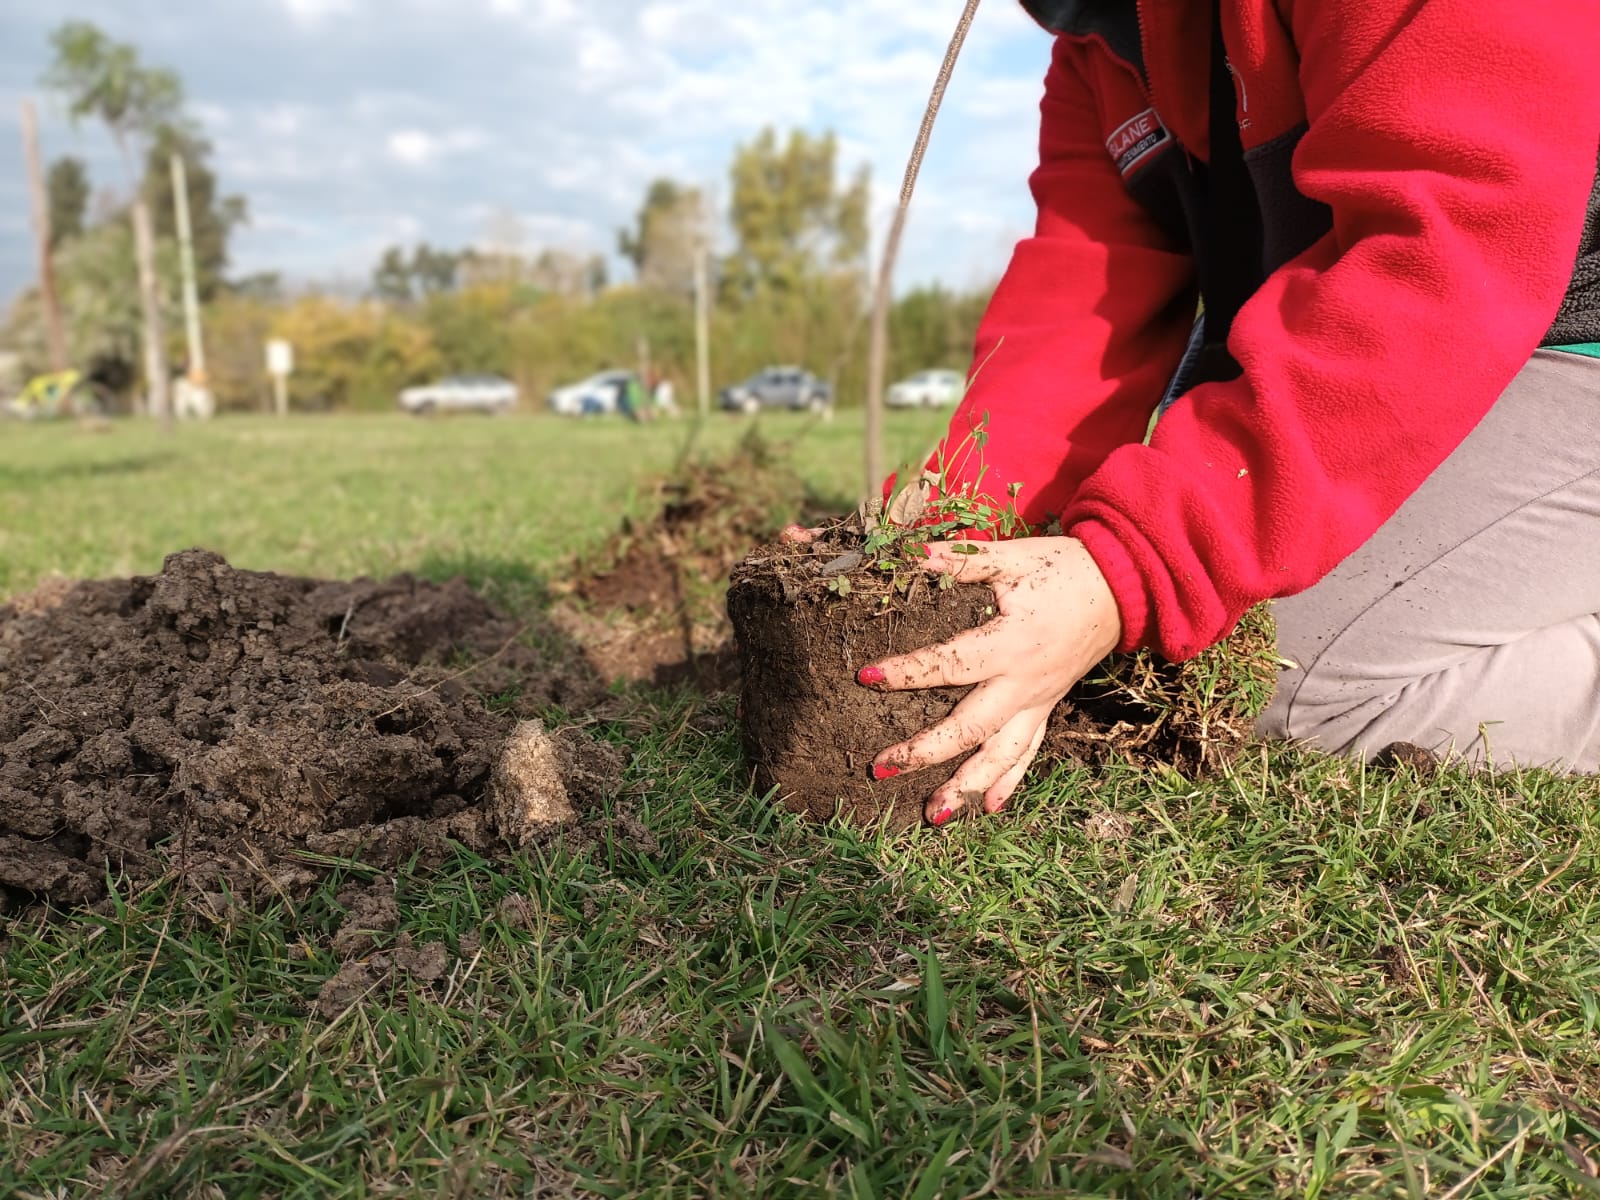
(931,509)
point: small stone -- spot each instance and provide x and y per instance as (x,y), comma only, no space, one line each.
(848,561)
(1108,827)
(527,792)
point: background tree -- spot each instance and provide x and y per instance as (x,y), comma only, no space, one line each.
(470,327)
(105,79)
(212,217)
(100,298)
(67,189)
(391,278)
(262,285)
(434,272)
(669,231)
(238,324)
(792,219)
(97,285)
(428,272)
(800,253)
(565,273)
(933,327)
(354,356)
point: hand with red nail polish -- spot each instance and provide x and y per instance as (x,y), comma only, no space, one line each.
(1057,619)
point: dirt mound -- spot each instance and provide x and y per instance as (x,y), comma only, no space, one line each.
(228,725)
(649,606)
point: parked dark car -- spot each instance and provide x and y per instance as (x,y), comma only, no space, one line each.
(779,387)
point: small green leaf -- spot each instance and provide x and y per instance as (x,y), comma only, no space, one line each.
(816,1096)
(928,1184)
(936,1004)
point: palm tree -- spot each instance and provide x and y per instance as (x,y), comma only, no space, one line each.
(105,79)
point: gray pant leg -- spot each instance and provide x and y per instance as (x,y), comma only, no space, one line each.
(1470,622)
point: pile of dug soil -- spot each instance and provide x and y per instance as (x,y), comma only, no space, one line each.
(649,606)
(232,726)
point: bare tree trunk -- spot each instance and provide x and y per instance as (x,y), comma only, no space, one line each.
(41,225)
(155,356)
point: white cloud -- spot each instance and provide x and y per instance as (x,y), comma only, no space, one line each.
(418,148)
(308,12)
(412,147)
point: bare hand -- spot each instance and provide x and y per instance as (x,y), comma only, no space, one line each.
(1057,620)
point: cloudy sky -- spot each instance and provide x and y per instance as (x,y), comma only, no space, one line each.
(353,124)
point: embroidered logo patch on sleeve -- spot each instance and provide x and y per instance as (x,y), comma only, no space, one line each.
(1136,139)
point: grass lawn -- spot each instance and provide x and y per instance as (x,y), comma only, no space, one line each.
(1298,977)
(340,496)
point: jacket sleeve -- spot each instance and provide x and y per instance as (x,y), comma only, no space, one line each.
(1085,327)
(1455,142)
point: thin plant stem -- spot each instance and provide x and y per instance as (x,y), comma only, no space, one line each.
(877,355)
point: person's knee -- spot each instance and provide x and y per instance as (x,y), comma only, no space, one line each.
(1341,711)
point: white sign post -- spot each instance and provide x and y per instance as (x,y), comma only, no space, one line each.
(280,365)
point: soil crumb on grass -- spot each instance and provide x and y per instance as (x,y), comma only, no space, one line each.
(649,606)
(423,962)
(234,726)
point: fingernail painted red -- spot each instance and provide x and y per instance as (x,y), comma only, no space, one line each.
(944,815)
(870,675)
(884,771)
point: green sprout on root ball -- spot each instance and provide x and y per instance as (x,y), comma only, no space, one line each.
(931,510)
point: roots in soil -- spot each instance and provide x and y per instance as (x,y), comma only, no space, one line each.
(810,732)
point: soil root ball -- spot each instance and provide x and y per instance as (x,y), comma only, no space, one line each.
(809,730)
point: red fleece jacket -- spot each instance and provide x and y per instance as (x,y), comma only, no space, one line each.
(1455,143)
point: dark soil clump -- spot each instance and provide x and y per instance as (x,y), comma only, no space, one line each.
(230,725)
(649,607)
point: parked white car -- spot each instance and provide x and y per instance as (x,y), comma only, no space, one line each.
(596,394)
(926,389)
(461,393)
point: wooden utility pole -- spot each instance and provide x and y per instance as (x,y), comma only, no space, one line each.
(702,329)
(191,297)
(56,331)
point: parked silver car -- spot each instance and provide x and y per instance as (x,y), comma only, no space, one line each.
(926,389)
(779,387)
(461,393)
